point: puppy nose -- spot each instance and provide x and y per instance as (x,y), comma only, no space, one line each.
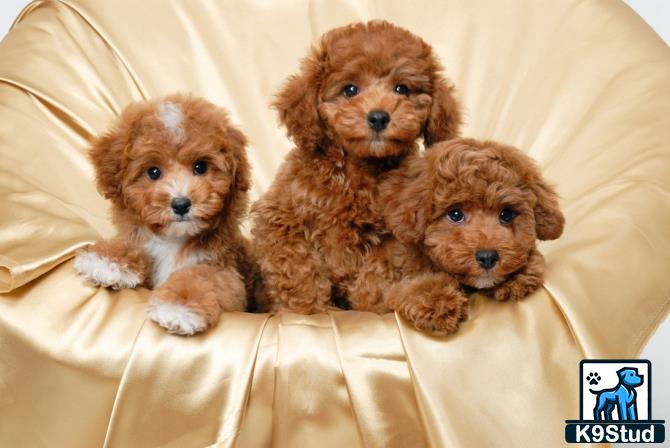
(486,258)
(378,120)
(181,205)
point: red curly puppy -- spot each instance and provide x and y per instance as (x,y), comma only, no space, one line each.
(467,213)
(176,172)
(361,101)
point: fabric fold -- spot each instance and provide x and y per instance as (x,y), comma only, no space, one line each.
(56,123)
(374,367)
(311,401)
(463,379)
(180,380)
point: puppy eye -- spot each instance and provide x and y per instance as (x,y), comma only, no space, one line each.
(401,89)
(350,90)
(200,167)
(506,216)
(154,173)
(456,215)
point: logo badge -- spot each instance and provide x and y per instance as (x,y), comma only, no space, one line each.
(615,404)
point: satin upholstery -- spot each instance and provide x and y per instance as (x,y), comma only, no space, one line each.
(583,86)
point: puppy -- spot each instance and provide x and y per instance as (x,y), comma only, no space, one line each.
(177,174)
(362,99)
(467,213)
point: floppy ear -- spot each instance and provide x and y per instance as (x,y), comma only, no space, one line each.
(239,198)
(297,105)
(549,219)
(238,144)
(406,198)
(107,153)
(444,116)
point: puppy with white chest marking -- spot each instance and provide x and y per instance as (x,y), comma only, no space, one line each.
(177,174)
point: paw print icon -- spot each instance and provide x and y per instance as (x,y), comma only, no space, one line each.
(593,378)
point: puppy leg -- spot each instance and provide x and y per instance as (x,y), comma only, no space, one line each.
(192,299)
(294,278)
(431,302)
(373,280)
(367,294)
(115,264)
(524,282)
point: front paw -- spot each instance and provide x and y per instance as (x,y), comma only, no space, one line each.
(103,271)
(514,290)
(440,317)
(175,317)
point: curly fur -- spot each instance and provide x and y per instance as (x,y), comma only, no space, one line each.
(197,264)
(319,219)
(424,268)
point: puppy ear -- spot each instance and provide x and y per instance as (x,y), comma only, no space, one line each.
(297,104)
(107,153)
(238,144)
(406,198)
(549,220)
(444,116)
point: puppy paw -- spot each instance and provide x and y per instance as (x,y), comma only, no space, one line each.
(103,271)
(513,291)
(176,318)
(442,317)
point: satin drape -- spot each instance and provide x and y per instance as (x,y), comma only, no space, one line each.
(583,86)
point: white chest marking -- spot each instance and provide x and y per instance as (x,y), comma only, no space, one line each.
(166,257)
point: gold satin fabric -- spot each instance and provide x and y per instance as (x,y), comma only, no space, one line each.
(583,86)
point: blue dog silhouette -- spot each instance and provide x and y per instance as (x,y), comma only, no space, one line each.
(622,396)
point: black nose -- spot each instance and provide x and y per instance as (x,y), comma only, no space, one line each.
(486,258)
(378,120)
(181,205)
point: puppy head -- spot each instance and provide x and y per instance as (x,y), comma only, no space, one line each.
(372,88)
(476,207)
(176,166)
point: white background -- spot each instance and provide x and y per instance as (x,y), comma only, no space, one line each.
(657,15)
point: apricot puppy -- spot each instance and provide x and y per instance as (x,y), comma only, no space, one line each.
(469,213)
(358,106)
(177,174)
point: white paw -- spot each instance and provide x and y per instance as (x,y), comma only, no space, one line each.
(175,318)
(105,272)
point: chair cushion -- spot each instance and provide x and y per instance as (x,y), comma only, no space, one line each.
(584,87)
